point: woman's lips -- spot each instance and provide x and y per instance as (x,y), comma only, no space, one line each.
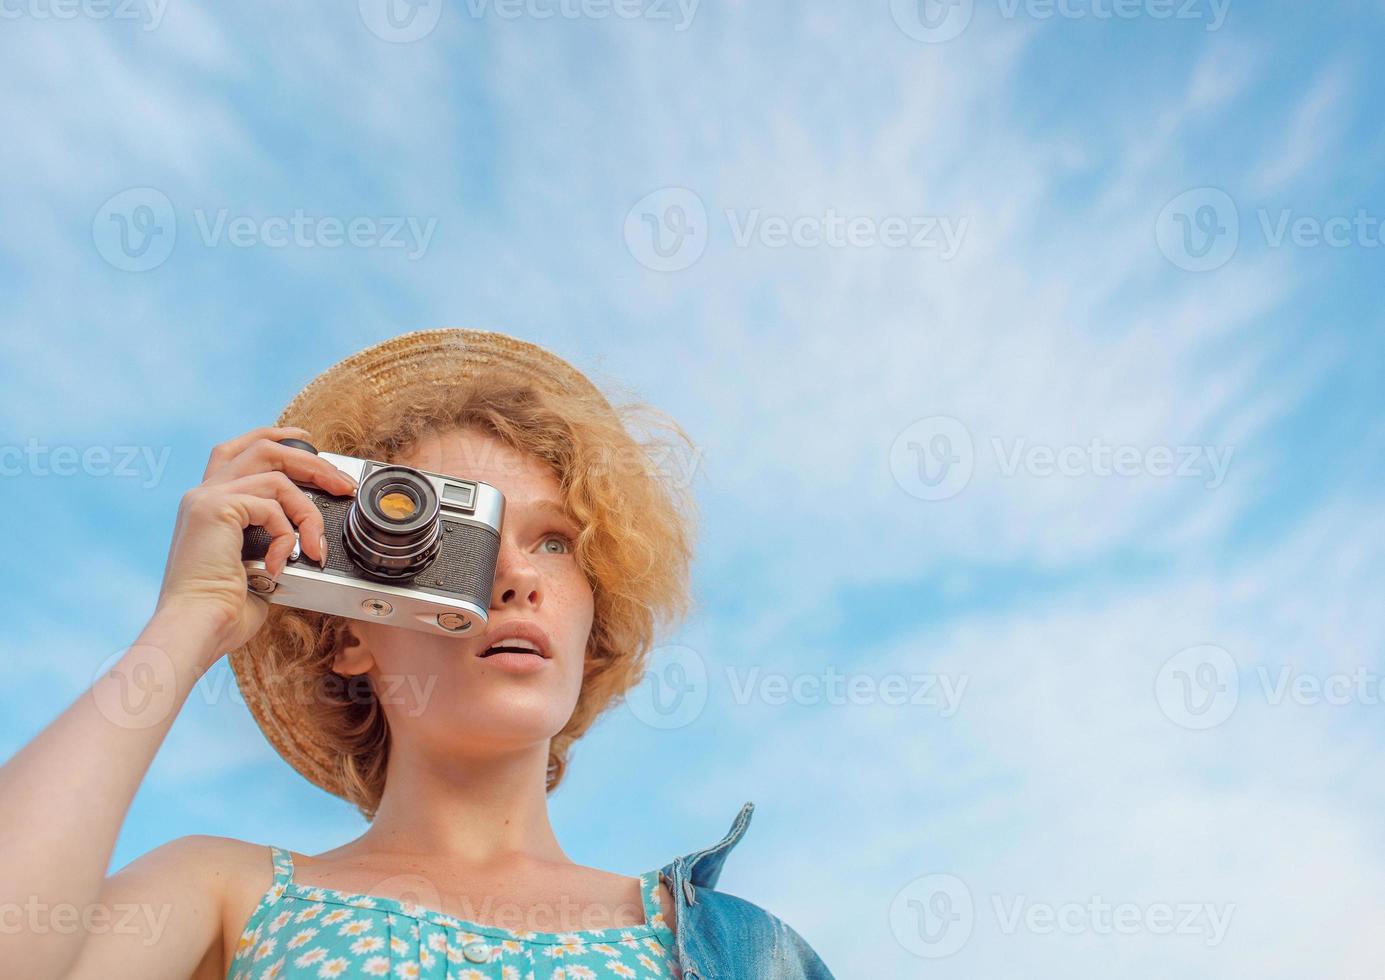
(515,663)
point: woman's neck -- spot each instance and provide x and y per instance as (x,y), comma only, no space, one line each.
(473,811)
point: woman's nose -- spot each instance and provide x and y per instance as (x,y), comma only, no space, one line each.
(516,579)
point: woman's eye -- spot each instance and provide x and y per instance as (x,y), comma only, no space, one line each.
(562,539)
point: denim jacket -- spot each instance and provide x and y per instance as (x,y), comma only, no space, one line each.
(722,937)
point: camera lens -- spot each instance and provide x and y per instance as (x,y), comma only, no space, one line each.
(393,525)
(396,506)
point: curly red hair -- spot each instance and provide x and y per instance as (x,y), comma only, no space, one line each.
(637,522)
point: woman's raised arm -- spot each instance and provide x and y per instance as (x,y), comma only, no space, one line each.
(65,794)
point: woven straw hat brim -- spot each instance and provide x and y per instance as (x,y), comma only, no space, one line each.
(377,373)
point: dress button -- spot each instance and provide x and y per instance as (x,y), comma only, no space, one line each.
(477,952)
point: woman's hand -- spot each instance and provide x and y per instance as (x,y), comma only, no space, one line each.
(248,480)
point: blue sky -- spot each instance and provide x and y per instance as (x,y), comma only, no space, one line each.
(1088,233)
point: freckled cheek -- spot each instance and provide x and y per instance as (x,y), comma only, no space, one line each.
(572,596)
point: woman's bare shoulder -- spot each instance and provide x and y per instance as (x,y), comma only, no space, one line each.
(239,871)
(198,885)
(215,860)
(205,858)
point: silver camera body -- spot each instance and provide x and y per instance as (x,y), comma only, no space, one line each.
(411,548)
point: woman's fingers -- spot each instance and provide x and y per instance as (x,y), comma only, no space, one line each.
(293,504)
(224,452)
(269,514)
(265,454)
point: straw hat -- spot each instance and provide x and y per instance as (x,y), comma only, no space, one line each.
(378,373)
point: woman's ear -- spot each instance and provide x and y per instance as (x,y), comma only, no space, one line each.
(354,655)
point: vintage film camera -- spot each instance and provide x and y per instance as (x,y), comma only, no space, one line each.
(411,549)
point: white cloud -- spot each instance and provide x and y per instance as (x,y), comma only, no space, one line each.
(1308,134)
(1061,779)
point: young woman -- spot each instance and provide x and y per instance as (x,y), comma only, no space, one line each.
(447,748)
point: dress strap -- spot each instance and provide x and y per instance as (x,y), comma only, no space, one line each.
(283,865)
(649,895)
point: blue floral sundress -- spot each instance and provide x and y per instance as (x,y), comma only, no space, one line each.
(299,931)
